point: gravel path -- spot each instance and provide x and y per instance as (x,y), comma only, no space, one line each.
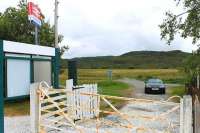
(22,124)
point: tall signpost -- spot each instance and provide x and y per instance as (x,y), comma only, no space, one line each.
(35,16)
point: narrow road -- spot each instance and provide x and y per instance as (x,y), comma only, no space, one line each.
(138,89)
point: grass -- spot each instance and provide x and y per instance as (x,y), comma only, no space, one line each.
(178,90)
(17,108)
(98,75)
(114,88)
(22,108)
(109,88)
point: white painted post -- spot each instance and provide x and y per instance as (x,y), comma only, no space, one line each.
(34,108)
(70,98)
(186,115)
(181,116)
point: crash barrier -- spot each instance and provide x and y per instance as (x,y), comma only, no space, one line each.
(59,110)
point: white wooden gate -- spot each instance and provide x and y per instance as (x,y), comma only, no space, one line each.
(83,106)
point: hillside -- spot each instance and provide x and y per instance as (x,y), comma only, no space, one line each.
(135,59)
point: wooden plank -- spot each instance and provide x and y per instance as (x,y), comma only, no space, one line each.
(70,97)
(81,104)
(95,101)
(52,113)
(79,110)
(56,92)
(186,115)
(63,103)
(181,116)
(34,108)
(62,97)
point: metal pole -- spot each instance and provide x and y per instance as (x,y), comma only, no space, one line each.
(56,24)
(57,56)
(1,88)
(36,35)
(198,77)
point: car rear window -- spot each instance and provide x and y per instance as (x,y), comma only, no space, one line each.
(155,81)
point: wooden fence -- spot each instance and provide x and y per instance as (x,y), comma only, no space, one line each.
(53,108)
(58,109)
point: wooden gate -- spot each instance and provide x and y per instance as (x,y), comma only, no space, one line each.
(53,108)
(56,111)
(82,106)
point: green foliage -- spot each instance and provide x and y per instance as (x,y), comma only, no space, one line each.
(178,90)
(134,60)
(186,24)
(98,75)
(192,68)
(112,88)
(15,26)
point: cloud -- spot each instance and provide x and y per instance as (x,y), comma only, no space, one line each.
(110,27)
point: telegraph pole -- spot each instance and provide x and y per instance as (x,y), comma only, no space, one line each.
(198,78)
(56,23)
(57,50)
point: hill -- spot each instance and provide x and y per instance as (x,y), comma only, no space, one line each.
(135,59)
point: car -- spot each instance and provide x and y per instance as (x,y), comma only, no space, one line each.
(154,86)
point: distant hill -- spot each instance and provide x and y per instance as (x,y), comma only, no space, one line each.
(135,59)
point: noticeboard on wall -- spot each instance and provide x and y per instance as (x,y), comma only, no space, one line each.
(18,77)
(42,71)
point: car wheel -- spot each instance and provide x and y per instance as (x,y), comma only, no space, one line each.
(146,90)
(163,91)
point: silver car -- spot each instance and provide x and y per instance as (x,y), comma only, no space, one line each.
(154,86)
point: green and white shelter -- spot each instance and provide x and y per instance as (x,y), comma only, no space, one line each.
(22,64)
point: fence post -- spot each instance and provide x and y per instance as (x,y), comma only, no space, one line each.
(70,97)
(196,116)
(34,108)
(186,115)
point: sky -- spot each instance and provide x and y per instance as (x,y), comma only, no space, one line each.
(110,27)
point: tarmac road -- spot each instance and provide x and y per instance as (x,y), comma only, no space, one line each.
(138,89)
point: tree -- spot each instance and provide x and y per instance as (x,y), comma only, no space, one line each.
(186,24)
(15,26)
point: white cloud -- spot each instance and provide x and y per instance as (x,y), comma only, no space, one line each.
(110,27)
